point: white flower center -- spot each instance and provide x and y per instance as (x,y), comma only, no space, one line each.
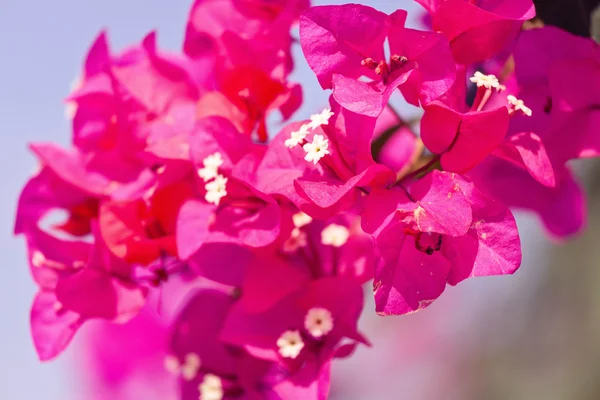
(297,137)
(37,259)
(317,149)
(211,388)
(487,81)
(290,344)
(301,219)
(296,240)
(317,120)
(335,235)
(216,190)
(171,364)
(211,167)
(318,322)
(188,370)
(518,105)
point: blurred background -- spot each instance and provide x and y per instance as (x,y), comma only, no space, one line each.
(534,335)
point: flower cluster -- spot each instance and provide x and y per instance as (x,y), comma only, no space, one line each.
(172,187)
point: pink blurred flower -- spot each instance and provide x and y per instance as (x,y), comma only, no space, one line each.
(420,62)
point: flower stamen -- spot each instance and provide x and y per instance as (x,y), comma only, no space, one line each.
(211,388)
(290,344)
(317,149)
(216,190)
(211,167)
(335,235)
(318,322)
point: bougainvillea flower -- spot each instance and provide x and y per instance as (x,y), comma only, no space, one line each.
(330,158)
(114,362)
(225,209)
(557,76)
(159,82)
(95,174)
(335,247)
(477,30)
(253,46)
(303,330)
(420,63)
(463,140)
(441,231)
(138,232)
(246,96)
(206,367)
(527,150)
(76,283)
(561,208)
(46,192)
(261,27)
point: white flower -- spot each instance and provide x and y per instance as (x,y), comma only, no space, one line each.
(171,364)
(296,240)
(290,344)
(487,81)
(518,105)
(297,137)
(317,149)
(335,235)
(318,322)
(211,166)
(300,219)
(317,120)
(190,368)
(38,259)
(211,388)
(216,190)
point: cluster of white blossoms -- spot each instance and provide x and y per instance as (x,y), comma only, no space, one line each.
(318,148)
(216,188)
(487,81)
(518,105)
(318,322)
(297,238)
(335,235)
(211,388)
(188,369)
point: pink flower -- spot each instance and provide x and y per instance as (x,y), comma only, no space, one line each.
(112,361)
(46,192)
(477,30)
(246,96)
(252,43)
(225,209)
(138,232)
(73,289)
(261,28)
(300,327)
(420,63)
(334,182)
(208,368)
(443,230)
(463,140)
(557,74)
(561,208)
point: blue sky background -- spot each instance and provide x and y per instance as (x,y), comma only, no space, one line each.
(42,45)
